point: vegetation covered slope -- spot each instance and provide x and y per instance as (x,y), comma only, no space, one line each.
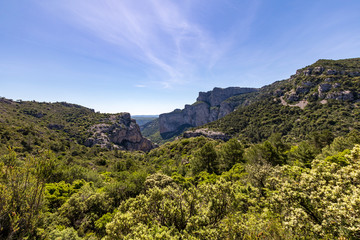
(322,96)
(190,189)
(29,126)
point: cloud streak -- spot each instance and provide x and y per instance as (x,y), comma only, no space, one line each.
(158,33)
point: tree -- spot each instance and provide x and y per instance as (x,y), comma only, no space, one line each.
(206,159)
(303,154)
(322,138)
(232,152)
(22,185)
(265,153)
(84,208)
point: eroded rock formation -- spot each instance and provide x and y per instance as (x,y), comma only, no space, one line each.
(121,132)
(209,107)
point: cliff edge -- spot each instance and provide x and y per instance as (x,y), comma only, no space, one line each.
(210,106)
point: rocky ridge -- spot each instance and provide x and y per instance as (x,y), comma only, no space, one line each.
(210,106)
(324,96)
(319,82)
(121,132)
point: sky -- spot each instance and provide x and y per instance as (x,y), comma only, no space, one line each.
(152,56)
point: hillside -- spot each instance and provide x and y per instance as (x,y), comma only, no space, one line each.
(313,99)
(322,96)
(29,126)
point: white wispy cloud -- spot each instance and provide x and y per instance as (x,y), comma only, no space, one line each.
(158,33)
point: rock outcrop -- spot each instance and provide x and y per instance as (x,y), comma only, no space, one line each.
(209,107)
(320,84)
(121,132)
(206,133)
(343,95)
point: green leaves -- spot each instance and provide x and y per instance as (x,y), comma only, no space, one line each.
(206,159)
(21,195)
(321,202)
(196,212)
(231,153)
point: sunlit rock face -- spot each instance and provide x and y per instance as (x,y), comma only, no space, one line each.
(210,106)
(120,132)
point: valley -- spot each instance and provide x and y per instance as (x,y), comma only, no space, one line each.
(277,162)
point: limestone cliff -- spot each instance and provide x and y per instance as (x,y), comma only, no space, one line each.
(120,132)
(209,107)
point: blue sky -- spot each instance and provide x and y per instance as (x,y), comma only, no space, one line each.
(152,56)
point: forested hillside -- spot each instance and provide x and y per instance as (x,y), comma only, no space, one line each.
(322,96)
(290,171)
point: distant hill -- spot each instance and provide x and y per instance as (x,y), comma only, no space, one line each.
(141,120)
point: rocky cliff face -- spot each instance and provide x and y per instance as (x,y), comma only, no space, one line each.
(209,107)
(121,132)
(218,95)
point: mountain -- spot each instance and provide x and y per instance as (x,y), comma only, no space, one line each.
(30,125)
(321,96)
(208,107)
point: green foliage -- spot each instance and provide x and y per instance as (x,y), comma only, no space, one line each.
(340,158)
(56,194)
(206,159)
(101,223)
(303,154)
(64,234)
(231,153)
(319,202)
(158,180)
(265,153)
(84,208)
(168,213)
(270,191)
(21,194)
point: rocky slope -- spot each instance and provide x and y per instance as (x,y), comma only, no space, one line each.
(122,132)
(210,106)
(28,126)
(324,80)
